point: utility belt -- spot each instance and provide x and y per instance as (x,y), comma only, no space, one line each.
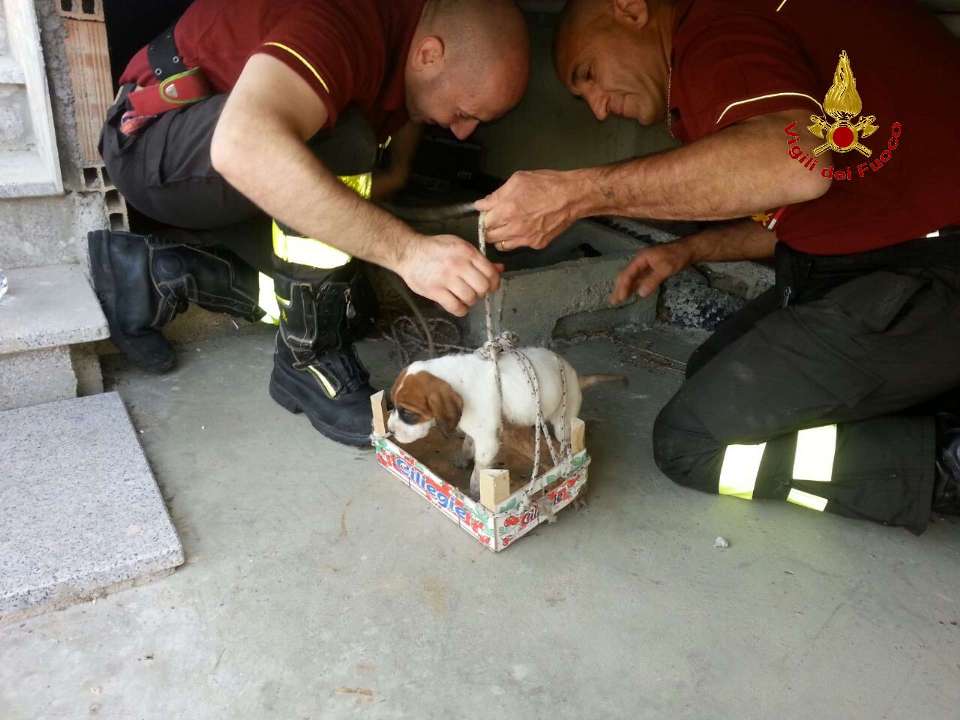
(176,86)
(804,276)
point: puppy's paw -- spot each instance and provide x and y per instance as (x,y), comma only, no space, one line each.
(475,484)
(582,501)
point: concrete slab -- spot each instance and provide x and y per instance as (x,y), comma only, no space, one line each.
(48,307)
(80,511)
(319,587)
(33,378)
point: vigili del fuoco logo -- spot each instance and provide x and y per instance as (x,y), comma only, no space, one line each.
(842,128)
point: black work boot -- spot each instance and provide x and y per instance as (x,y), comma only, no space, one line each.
(946,491)
(143,283)
(316,370)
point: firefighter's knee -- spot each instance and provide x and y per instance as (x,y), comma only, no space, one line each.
(682,448)
(670,444)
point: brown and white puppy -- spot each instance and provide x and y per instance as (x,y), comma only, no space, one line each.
(460,392)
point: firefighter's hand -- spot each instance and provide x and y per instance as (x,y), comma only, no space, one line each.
(530,210)
(650,268)
(450,271)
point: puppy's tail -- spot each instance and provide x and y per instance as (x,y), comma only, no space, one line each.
(588,381)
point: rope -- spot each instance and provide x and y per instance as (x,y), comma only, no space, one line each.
(506,344)
(413,335)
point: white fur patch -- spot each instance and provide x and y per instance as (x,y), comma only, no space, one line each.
(406,434)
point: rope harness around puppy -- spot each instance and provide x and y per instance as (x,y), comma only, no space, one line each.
(506,343)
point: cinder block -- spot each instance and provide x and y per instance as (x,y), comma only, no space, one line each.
(85,45)
(89,10)
(35,377)
(80,511)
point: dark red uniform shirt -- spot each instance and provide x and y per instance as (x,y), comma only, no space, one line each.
(735,59)
(350,51)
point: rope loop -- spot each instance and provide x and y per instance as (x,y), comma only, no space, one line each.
(503,343)
(507,343)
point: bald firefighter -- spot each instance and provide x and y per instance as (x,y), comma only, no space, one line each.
(259,119)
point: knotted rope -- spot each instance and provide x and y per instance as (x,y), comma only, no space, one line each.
(506,343)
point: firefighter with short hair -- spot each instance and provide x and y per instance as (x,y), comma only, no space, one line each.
(829,391)
(230,130)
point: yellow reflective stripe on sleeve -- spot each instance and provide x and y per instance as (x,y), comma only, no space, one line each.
(803,499)
(306,251)
(732,105)
(741,465)
(267,300)
(362,185)
(302,59)
(816,449)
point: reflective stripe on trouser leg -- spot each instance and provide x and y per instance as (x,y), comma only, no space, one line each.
(306,251)
(268,301)
(314,253)
(741,466)
(813,462)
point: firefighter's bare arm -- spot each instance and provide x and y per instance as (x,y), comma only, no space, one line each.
(259,147)
(745,240)
(403,148)
(735,173)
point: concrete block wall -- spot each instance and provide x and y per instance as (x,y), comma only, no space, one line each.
(563,291)
(551,129)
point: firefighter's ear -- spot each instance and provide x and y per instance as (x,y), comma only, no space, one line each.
(429,54)
(634,13)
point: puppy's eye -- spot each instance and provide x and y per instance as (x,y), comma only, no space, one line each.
(410,418)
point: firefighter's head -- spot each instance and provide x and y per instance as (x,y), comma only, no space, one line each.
(468,63)
(615,54)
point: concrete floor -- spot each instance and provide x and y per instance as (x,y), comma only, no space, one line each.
(319,587)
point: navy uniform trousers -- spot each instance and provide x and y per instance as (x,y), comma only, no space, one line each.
(820,392)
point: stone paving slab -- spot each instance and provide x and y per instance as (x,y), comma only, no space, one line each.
(80,511)
(34,378)
(49,307)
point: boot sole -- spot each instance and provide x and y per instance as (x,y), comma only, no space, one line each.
(288,402)
(105,289)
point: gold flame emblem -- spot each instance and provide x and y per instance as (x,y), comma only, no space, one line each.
(843,105)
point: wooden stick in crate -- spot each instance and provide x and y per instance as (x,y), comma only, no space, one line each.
(378,403)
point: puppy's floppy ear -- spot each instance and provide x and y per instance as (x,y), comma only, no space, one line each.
(445,405)
(396,386)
